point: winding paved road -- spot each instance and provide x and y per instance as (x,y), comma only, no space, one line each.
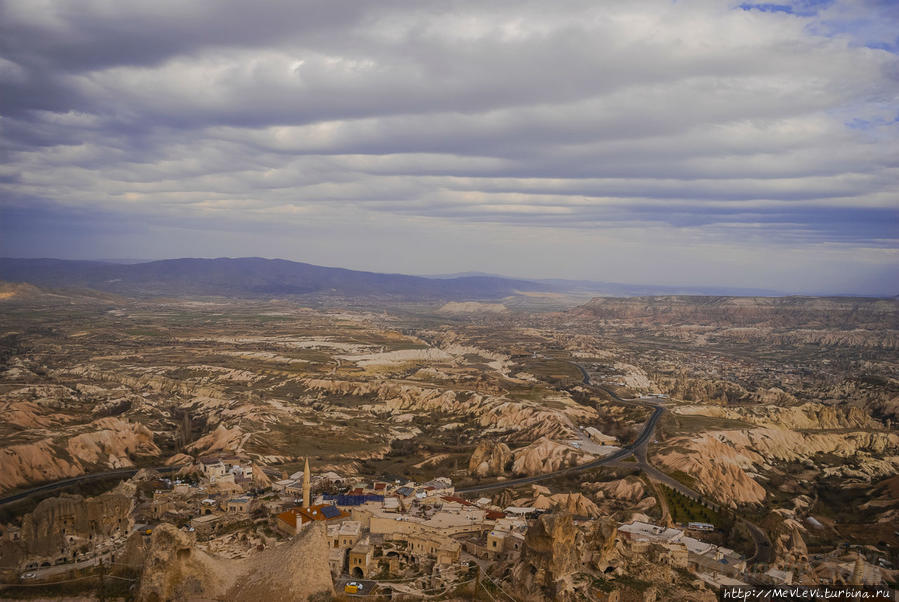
(124,473)
(624,452)
(638,449)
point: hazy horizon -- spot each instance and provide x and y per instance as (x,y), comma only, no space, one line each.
(709,288)
(690,143)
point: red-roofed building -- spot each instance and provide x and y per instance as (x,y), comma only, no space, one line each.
(292,520)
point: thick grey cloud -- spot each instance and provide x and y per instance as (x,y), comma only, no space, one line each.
(390,134)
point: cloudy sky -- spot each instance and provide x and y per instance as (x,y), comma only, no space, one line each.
(668,142)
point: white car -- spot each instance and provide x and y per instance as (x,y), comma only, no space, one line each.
(29,576)
(356,584)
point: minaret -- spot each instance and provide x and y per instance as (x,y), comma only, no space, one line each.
(307,486)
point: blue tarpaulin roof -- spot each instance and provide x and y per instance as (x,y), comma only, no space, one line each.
(354,500)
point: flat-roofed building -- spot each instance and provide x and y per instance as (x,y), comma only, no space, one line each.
(350,532)
(205,525)
(213,468)
(239,505)
(282,485)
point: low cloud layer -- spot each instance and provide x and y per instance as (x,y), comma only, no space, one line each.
(688,142)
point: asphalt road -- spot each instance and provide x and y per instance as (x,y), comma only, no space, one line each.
(626,451)
(639,450)
(124,473)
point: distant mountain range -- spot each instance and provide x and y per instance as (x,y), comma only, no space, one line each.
(255,277)
(250,277)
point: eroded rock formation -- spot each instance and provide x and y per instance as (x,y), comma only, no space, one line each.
(545,455)
(174,569)
(61,525)
(550,554)
(490,458)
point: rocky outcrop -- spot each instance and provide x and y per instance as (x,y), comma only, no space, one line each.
(522,420)
(151,380)
(576,504)
(60,525)
(260,479)
(550,554)
(702,390)
(25,415)
(785,530)
(490,458)
(561,561)
(628,489)
(601,536)
(112,443)
(174,569)
(295,571)
(808,416)
(106,443)
(222,439)
(34,462)
(597,436)
(718,470)
(721,460)
(545,455)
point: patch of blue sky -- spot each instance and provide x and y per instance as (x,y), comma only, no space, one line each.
(802,8)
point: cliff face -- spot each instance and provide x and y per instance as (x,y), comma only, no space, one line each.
(550,554)
(61,524)
(573,503)
(174,569)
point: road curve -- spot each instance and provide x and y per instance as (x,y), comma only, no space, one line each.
(628,450)
(639,450)
(624,452)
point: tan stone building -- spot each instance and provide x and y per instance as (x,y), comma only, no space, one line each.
(238,505)
(360,560)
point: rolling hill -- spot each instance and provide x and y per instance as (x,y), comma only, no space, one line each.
(249,277)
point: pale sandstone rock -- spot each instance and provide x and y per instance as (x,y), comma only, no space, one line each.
(545,455)
(490,458)
(174,569)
